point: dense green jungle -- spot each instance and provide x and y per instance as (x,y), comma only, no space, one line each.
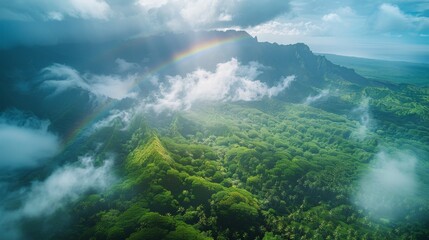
(335,156)
(266,170)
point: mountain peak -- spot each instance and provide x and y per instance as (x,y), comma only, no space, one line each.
(150,152)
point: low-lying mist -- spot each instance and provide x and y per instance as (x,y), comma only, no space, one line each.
(25,140)
(322,94)
(362,113)
(389,188)
(43,198)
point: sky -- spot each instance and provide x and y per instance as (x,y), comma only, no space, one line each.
(392,30)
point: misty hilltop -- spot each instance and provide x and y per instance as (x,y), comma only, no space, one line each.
(207,135)
(29,69)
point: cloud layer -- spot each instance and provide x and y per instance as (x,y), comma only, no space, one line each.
(97,20)
(372,29)
(46,10)
(65,185)
(390,185)
(230,82)
(375,29)
(25,140)
(62,77)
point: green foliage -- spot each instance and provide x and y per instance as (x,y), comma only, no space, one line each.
(263,170)
(185,232)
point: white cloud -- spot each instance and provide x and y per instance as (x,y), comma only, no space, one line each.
(125,66)
(64,186)
(225,17)
(55,16)
(389,183)
(331,17)
(202,12)
(25,140)
(341,20)
(311,99)
(98,9)
(364,124)
(280,28)
(123,118)
(58,10)
(230,82)
(150,4)
(367,29)
(391,18)
(112,86)
(214,13)
(62,77)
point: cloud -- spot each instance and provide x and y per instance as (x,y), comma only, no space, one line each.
(151,4)
(64,186)
(36,22)
(116,117)
(57,10)
(55,16)
(280,28)
(124,66)
(331,17)
(364,119)
(311,99)
(391,18)
(353,28)
(62,77)
(342,20)
(230,82)
(368,29)
(390,184)
(216,13)
(25,140)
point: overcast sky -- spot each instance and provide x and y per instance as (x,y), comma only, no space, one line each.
(396,30)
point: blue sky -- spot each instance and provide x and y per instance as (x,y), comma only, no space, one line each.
(394,30)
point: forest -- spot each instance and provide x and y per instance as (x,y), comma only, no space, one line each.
(331,155)
(266,170)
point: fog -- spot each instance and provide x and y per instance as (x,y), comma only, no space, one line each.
(25,140)
(311,99)
(362,113)
(43,198)
(388,188)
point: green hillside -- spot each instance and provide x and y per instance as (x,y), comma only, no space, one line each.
(262,170)
(218,146)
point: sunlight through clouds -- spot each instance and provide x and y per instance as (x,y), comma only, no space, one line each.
(230,82)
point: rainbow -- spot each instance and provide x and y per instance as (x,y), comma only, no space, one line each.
(187,53)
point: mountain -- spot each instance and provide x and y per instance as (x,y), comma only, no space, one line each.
(21,69)
(217,136)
